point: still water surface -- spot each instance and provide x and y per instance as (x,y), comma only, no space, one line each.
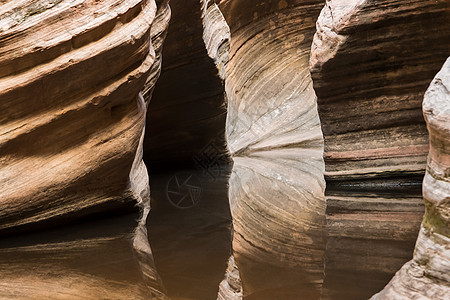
(285,244)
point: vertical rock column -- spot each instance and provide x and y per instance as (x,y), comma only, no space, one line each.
(371,63)
(71,114)
(427,276)
(274,136)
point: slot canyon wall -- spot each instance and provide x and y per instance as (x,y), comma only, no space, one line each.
(370,72)
(72,116)
(371,62)
(307,92)
(427,274)
(273,134)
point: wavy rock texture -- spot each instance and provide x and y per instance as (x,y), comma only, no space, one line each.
(71,115)
(158,34)
(271,102)
(278,209)
(80,263)
(273,134)
(187,112)
(371,62)
(427,276)
(216,35)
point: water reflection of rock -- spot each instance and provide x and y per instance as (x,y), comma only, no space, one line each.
(371,234)
(286,246)
(278,209)
(103,259)
(191,246)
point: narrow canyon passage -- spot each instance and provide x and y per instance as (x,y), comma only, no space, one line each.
(288,242)
(285,143)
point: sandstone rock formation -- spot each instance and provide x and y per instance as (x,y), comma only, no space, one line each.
(73,106)
(273,134)
(230,287)
(427,276)
(371,62)
(271,102)
(71,114)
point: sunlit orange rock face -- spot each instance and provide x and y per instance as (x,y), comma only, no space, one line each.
(71,114)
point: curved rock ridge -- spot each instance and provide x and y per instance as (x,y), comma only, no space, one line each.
(216,35)
(187,113)
(158,34)
(274,137)
(271,102)
(71,116)
(278,209)
(371,62)
(427,276)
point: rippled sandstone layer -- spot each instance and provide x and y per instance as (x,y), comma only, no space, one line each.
(71,114)
(371,62)
(274,136)
(427,276)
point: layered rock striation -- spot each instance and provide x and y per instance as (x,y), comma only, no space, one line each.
(273,134)
(371,62)
(426,276)
(271,102)
(71,114)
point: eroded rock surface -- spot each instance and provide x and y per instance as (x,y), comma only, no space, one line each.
(271,102)
(230,287)
(71,114)
(371,62)
(427,275)
(274,136)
